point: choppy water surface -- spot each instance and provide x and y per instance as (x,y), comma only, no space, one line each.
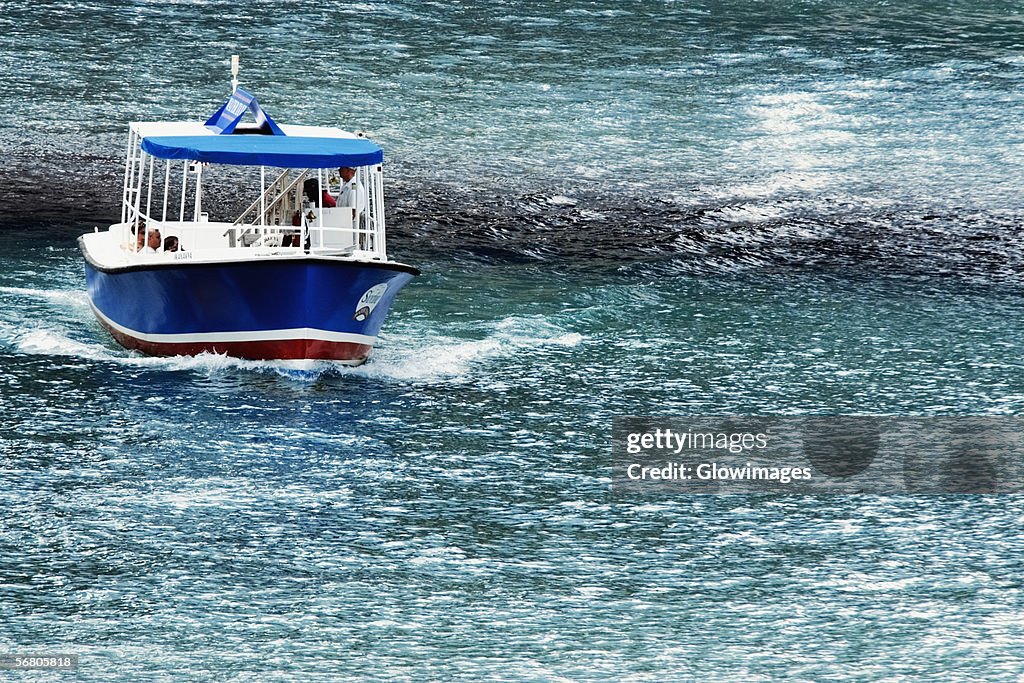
(649,208)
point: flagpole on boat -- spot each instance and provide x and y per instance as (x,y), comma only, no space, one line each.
(234,73)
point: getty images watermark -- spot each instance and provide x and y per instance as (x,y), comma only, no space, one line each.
(817,455)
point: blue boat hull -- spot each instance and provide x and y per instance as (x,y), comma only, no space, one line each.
(305,308)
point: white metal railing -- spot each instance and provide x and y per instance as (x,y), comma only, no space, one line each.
(268,222)
(279,189)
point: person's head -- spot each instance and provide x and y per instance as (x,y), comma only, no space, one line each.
(140,234)
(347,173)
(153,241)
(171,243)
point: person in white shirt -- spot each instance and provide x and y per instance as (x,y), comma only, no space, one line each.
(352,192)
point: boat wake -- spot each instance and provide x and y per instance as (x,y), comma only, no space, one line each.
(420,356)
(410,353)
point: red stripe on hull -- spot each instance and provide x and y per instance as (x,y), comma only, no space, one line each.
(271,349)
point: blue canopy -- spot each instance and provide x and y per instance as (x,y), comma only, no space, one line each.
(285,151)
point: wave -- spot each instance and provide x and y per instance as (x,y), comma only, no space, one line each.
(425,356)
(411,354)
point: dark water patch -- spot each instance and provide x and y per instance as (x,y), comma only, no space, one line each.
(442,224)
(67,191)
(611,232)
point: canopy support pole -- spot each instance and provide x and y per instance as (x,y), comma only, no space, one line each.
(149,190)
(184,187)
(199,193)
(128,158)
(378,200)
(320,201)
(167,188)
(138,193)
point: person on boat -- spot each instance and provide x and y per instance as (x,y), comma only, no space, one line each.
(352,192)
(153,241)
(310,189)
(139,230)
(171,243)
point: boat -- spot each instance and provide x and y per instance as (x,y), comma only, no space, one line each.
(290,278)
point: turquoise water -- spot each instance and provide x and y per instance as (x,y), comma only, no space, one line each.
(662,209)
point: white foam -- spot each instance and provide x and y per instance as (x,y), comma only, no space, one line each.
(50,342)
(416,354)
(562,200)
(431,357)
(443,357)
(55,342)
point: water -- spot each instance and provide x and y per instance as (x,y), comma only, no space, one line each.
(639,208)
